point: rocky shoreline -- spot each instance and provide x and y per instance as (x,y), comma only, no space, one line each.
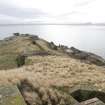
(85,56)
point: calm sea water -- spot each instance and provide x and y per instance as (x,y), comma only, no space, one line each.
(88,38)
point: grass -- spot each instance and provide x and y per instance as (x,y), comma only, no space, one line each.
(56,74)
(8,61)
(56,70)
(10,49)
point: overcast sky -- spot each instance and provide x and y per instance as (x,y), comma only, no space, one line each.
(52,11)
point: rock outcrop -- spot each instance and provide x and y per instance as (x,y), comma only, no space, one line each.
(85,56)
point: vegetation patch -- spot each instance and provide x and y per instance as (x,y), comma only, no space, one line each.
(10,95)
(20,60)
(8,61)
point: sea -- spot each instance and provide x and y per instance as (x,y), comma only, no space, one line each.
(89,38)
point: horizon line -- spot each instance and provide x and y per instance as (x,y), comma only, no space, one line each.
(53,24)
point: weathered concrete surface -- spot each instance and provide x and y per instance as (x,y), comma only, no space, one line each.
(84,93)
(94,101)
(10,95)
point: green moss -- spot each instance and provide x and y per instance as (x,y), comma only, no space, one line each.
(10,95)
(8,61)
(17,100)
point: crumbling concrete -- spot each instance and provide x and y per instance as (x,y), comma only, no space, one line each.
(10,95)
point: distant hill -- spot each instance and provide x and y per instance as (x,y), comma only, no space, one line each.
(14,50)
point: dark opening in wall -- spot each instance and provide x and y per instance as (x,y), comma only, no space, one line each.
(83,95)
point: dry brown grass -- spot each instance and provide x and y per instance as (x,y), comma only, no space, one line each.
(46,78)
(56,71)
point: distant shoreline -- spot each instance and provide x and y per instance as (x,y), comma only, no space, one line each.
(57,24)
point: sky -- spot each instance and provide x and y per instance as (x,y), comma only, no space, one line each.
(52,11)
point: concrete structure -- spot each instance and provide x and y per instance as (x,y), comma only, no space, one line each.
(10,95)
(87,95)
(93,101)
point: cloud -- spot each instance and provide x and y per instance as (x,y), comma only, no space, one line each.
(14,11)
(84,3)
(85,11)
(11,11)
(22,13)
(52,10)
